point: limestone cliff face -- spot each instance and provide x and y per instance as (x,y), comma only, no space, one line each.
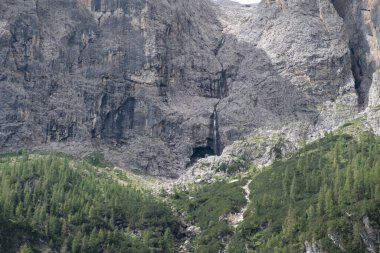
(157,84)
(361,20)
(119,76)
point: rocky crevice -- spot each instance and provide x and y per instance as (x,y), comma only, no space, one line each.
(361,22)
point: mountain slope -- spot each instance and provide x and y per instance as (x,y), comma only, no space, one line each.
(156,85)
(323,198)
(326,195)
(68,205)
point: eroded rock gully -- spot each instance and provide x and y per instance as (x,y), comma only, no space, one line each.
(155,85)
(361,25)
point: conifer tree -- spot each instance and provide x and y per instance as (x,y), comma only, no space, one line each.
(25,249)
(168,241)
(293,189)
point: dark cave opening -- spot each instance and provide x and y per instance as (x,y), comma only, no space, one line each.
(200,152)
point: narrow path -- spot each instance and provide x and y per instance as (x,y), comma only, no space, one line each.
(235,219)
(247,193)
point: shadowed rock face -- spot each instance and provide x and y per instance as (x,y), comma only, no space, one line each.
(362,21)
(157,84)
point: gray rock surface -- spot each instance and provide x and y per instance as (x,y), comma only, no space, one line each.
(370,236)
(155,85)
(312,248)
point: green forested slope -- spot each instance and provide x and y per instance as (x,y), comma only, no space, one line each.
(325,190)
(321,194)
(205,206)
(71,206)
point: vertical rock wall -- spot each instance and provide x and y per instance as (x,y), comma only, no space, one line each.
(155,85)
